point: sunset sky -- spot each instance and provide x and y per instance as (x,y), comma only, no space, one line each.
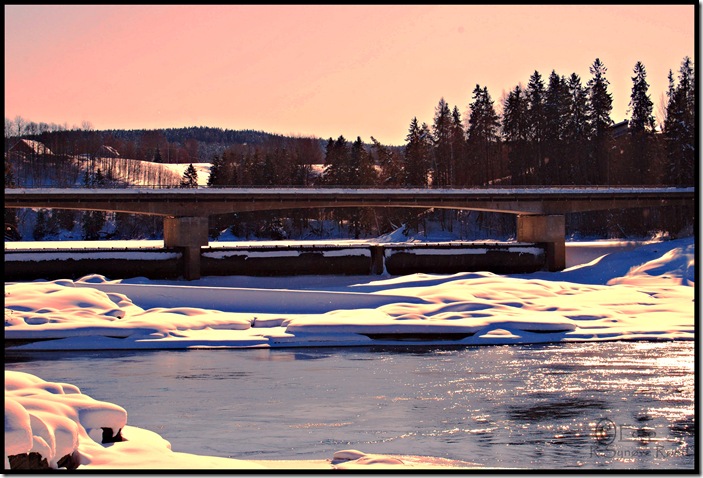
(324,71)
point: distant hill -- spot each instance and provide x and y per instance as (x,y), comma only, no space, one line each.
(177,145)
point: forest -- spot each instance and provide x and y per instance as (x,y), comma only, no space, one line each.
(553,131)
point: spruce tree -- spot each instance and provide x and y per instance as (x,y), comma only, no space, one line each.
(417,155)
(536,120)
(576,133)
(443,169)
(338,170)
(600,106)
(641,127)
(482,137)
(641,106)
(459,150)
(190,177)
(515,133)
(216,171)
(680,127)
(556,111)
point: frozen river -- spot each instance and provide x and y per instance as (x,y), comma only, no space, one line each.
(614,405)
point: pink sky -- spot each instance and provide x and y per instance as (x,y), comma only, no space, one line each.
(325,71)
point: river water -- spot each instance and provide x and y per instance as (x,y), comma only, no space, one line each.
(595,405)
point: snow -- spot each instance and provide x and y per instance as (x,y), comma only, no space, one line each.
(640,293)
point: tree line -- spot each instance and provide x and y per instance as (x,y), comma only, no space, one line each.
(553,131)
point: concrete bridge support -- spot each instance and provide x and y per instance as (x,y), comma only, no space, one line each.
(548,229)
(188,234)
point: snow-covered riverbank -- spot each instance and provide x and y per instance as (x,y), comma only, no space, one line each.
(646,293)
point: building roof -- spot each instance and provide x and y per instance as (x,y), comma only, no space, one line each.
(31,145)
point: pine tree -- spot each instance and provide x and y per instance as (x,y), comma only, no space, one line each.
(190,177)
(157,156)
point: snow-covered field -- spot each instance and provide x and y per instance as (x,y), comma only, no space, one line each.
(646,293)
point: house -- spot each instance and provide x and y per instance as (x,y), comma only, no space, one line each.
(29,147)
(619,129)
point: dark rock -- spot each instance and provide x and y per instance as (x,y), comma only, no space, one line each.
(108,437)
(70,461)
(28,461)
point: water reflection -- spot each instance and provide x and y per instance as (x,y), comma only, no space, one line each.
(534,406)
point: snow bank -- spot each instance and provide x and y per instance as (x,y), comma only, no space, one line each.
(643,294)
(646,293)
(52,419)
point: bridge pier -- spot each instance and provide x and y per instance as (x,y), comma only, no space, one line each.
(187,234)
(549,229)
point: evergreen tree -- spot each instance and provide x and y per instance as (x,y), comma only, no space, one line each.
(442,168)
(216,171)
(52,224)
(680,127)
(641,106)
(600,106)
(157,156)
(390,164)
(641,127)
(190,177)
(417,155)
(87,179)
(515,133)
(338,170)
(556,111)
(536,120)
(99,180)
(576,133)
(269,170)
(92,223)
(363,173)
(362,165)
(459,150)
(66,218)
(482,138)
(40,227)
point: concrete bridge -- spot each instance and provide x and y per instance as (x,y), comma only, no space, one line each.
(540,210)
